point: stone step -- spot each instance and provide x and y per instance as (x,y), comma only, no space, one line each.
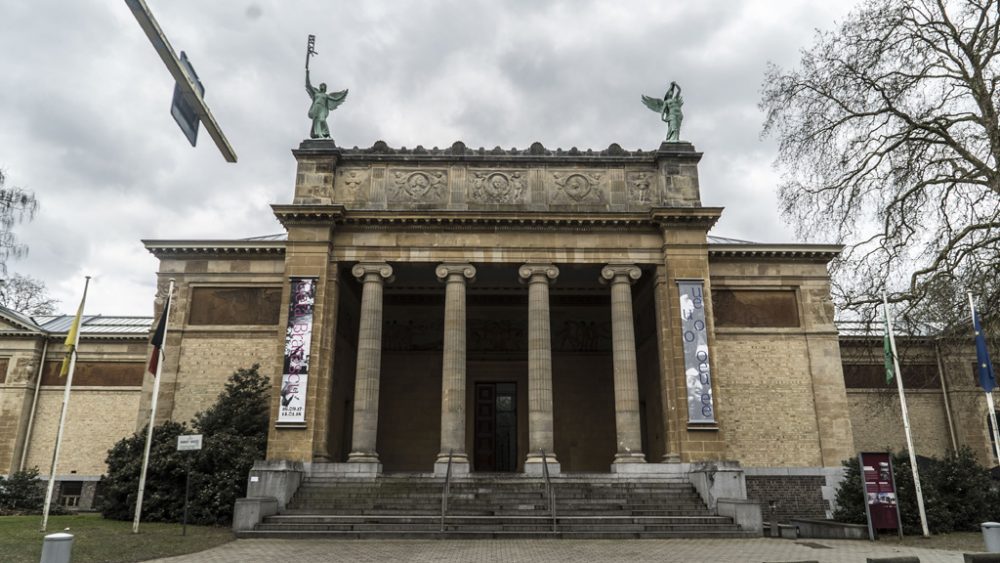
(300,534)
(506,520)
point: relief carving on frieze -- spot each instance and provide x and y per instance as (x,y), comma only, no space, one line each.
(640,186)
(352,184)
(497,187)
(418,186)
(578,187)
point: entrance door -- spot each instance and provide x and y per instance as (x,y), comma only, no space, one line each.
(496,427)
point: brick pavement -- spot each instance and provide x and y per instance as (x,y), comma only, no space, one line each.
(558,551)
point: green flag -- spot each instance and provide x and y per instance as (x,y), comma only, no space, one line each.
(887,350)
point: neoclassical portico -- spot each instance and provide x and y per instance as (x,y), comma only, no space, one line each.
(535,279)
(536,312)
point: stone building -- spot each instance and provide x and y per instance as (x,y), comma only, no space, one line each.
(107,388)
(497,311)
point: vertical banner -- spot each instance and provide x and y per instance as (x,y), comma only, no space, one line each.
(297,338)
(880,493)
(694,333)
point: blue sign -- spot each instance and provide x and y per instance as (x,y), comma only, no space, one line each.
(182,112)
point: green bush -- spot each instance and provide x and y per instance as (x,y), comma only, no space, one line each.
(958,493)
(235,435)
(21,492)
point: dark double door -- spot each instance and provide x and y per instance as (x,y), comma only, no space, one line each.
(495,446)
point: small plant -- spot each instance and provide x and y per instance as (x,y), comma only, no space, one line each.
(958,493)
(21,493)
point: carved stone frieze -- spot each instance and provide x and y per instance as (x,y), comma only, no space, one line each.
(352,184)
(492,186)
(581,187)
(641,187)
(418,186)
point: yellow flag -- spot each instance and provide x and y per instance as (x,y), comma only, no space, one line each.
(72,337)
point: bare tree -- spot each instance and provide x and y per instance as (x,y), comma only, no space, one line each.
(889,142)
(27,295)
(16,205)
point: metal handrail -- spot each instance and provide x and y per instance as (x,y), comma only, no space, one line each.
(444,492)
(549,491)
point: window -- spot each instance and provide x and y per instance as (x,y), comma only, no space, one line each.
(69,493)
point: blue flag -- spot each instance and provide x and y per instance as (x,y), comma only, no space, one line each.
(984,368)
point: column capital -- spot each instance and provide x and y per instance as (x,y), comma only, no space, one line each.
(446,270)
(618,273)
(380,270)
(543,272)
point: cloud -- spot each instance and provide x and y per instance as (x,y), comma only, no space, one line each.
(86,122)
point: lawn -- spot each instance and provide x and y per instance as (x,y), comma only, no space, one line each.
(957,541)
(105,541)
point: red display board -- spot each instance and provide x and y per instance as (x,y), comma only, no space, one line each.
(880,492)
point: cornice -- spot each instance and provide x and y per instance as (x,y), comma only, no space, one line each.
(822,253)
(459,152)
(223,248)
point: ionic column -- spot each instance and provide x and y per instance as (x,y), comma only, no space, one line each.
(372,276)
(538,277)
(453,368)
(621,277)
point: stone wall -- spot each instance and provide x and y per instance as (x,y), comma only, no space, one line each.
(779,379)
(97,418)
(878,422)
(200,356)
(461,178)
(21,365)
(207,360)
(765,395)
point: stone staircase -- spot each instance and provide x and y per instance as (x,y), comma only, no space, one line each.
(496,506)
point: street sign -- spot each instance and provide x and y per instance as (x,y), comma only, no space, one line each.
(182,112)
(182,78)
(188,442)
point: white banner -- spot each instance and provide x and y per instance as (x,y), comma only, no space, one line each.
(694,333)
(295,377)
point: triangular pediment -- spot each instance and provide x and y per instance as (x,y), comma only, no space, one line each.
(14,321)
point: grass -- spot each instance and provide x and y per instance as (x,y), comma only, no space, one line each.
(968,542)
(105,541)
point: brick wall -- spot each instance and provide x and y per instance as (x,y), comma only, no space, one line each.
(765,399)
(797,495)
(207,362)
(878,423)
(97,418)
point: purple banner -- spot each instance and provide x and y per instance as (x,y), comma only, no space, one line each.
(295,376)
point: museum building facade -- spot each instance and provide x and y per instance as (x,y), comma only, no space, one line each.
(493,305)
(500,310)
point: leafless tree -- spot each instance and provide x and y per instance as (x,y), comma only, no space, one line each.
(16,205)
(889,142)
(27,295)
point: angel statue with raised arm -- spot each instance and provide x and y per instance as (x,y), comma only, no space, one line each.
(323,102)
(669,109)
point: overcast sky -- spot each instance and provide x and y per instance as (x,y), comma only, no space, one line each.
(85,123)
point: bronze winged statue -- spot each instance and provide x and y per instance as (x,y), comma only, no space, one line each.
(669,109)
(323,102)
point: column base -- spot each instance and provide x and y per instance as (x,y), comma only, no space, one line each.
(459,465)
(629,457)
(533,465)
(364,462)
(671,458)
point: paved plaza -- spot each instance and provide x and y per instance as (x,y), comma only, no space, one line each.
(556,551)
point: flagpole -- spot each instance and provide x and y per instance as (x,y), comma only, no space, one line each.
(62,414)
(906,422)
(989,394)
(152,418)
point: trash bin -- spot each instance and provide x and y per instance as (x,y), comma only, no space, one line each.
(58,548)
(991,536)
